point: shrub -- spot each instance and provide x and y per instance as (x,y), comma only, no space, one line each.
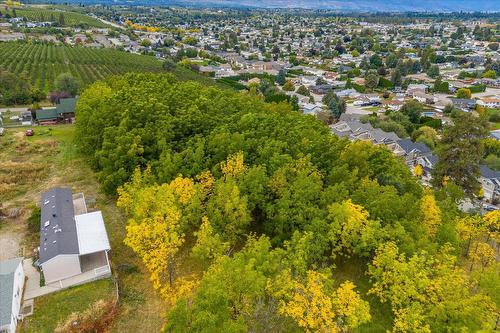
(95,319)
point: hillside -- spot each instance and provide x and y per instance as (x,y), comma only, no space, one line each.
(61,17)
(42,63)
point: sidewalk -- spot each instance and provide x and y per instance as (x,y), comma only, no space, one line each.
(32,288)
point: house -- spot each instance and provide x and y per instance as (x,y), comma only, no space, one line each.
(63,112)
(464,104)
(416,87)
(72,241)
(46,116)
(490,182)
(11,293)
(322,89)
(394,105)
(424,98)
(413,154)
(354,130)
(351,93)
(495,134)
(309,108)
(493,103)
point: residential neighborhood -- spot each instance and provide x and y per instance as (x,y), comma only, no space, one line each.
(249,166)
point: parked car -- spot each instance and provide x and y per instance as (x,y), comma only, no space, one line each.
(489,208)
(29,132)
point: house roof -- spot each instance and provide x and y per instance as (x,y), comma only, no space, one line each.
(46,114)
(57,226)
(92,236)
(495,134)
(409,146)
(486,172)
(7,271)
(66,105)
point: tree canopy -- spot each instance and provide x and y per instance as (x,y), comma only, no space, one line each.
(265,201)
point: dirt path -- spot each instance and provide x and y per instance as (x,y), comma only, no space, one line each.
(11,237)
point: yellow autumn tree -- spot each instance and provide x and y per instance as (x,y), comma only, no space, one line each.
(155,226)
(418,171)
(234,165)
(351,309)
(482,254)
(492,225)
(351,230)
(431,214)
(209,244)
(316,306)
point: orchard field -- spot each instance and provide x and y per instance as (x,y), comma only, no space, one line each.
(42,63)
(64,18)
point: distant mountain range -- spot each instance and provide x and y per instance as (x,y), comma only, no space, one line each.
(339,5)
(354,5)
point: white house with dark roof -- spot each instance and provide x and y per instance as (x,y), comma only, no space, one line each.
(72,241)
(490,182)
(11,292)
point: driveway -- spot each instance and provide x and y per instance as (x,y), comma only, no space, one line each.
(488,93)
(13,109)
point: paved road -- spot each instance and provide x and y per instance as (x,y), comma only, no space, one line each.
(13,109)
(489,92)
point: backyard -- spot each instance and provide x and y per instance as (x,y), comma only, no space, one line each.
(28,167)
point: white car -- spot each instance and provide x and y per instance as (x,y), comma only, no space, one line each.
(2,130)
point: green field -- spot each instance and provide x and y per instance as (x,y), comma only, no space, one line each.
(42,63)
(64,18)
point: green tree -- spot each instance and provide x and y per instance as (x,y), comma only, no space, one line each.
(371,80)
(288,86)
(490,74)
(463,93)
(413,109)
(433,71)
(66,82)
(396,77)
(169,65)
(459,151)
(302,90)
(428,293)
(281,77)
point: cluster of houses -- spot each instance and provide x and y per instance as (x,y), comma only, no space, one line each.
(73,250)
(413,153)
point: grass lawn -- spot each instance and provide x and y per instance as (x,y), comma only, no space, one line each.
(352,269)
(53,308)
(48,159)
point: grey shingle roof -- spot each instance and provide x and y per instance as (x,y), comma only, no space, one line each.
(57,226)
(7,270)
(409,145)
(486,172)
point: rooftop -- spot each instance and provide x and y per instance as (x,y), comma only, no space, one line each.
(57,226)
(7,270)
